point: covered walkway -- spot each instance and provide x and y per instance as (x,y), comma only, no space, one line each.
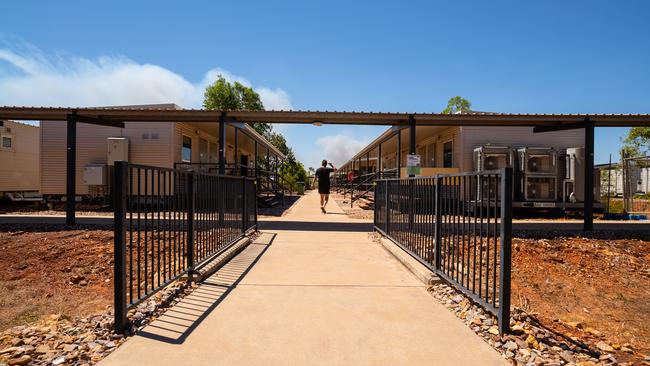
(312,290)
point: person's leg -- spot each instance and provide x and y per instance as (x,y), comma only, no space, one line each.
(322,202)
(327,198)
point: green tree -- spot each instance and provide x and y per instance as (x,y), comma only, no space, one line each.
(226,96)
(637,141)
(456,104)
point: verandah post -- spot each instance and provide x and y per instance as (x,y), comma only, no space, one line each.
(71,169)
(506,250)
(119,240)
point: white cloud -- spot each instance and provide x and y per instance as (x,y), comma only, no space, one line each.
(339,148)
(30,78)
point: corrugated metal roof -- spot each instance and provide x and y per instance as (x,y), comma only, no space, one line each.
(135,113)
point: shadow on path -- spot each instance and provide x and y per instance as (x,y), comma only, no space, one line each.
(316,226)
(178,322)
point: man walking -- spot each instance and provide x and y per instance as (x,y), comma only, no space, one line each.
(323,175)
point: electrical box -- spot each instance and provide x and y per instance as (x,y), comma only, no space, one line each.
(118,150)
(94,175)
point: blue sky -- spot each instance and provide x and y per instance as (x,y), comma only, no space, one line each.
(510,56)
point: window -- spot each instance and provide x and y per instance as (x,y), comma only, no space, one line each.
(448,154)
(7,142)
(186,150)
(214,153)
(203,151)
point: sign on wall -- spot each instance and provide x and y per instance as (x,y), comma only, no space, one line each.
(413,164)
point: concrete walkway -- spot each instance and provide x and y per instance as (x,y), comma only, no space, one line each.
(321,293)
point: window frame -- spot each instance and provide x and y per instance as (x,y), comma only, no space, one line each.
(11,139)
(183,137)
(444,160)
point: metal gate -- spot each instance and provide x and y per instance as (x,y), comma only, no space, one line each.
(457,225)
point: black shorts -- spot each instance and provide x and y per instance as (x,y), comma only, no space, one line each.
(323,190)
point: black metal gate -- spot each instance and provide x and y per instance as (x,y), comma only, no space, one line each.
(459,226)
(168,222)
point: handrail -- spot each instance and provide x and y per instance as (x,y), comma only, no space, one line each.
(371,177)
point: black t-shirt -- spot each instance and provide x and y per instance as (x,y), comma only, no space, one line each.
(323,174)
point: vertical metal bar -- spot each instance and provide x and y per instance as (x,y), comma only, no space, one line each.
(222,144)
(145,274)
(506,250)
(119,234)
(480,234)
(494,239)
(71,169)
(130,211)
(487,244)
(589,176)
(190,224)
(158,225)
(139,229)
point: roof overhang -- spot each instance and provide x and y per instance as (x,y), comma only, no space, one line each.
(309,117)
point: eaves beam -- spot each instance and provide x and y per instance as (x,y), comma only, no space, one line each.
(560,127)
(99,121)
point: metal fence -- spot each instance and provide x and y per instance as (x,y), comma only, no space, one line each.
(636,184)
(457,225)
(168,222)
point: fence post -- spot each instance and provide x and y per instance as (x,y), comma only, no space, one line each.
(190,224)
(438,221)
(119,241)
(374,210)
(387,207)
(506,250)
(411,204)
(244,204)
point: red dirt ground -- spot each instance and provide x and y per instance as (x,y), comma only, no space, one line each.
(37,269)
(590,288)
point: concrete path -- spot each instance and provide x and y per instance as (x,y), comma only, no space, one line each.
(321,293)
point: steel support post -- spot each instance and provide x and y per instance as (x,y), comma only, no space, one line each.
(222,144)
(589,176)
(237,171)
(399,153)
(71,169)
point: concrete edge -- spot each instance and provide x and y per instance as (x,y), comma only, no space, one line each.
(213,265)
(422,273)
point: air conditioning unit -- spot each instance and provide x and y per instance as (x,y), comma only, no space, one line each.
(540,188)
(538,160)
(574,180)
(492,158)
